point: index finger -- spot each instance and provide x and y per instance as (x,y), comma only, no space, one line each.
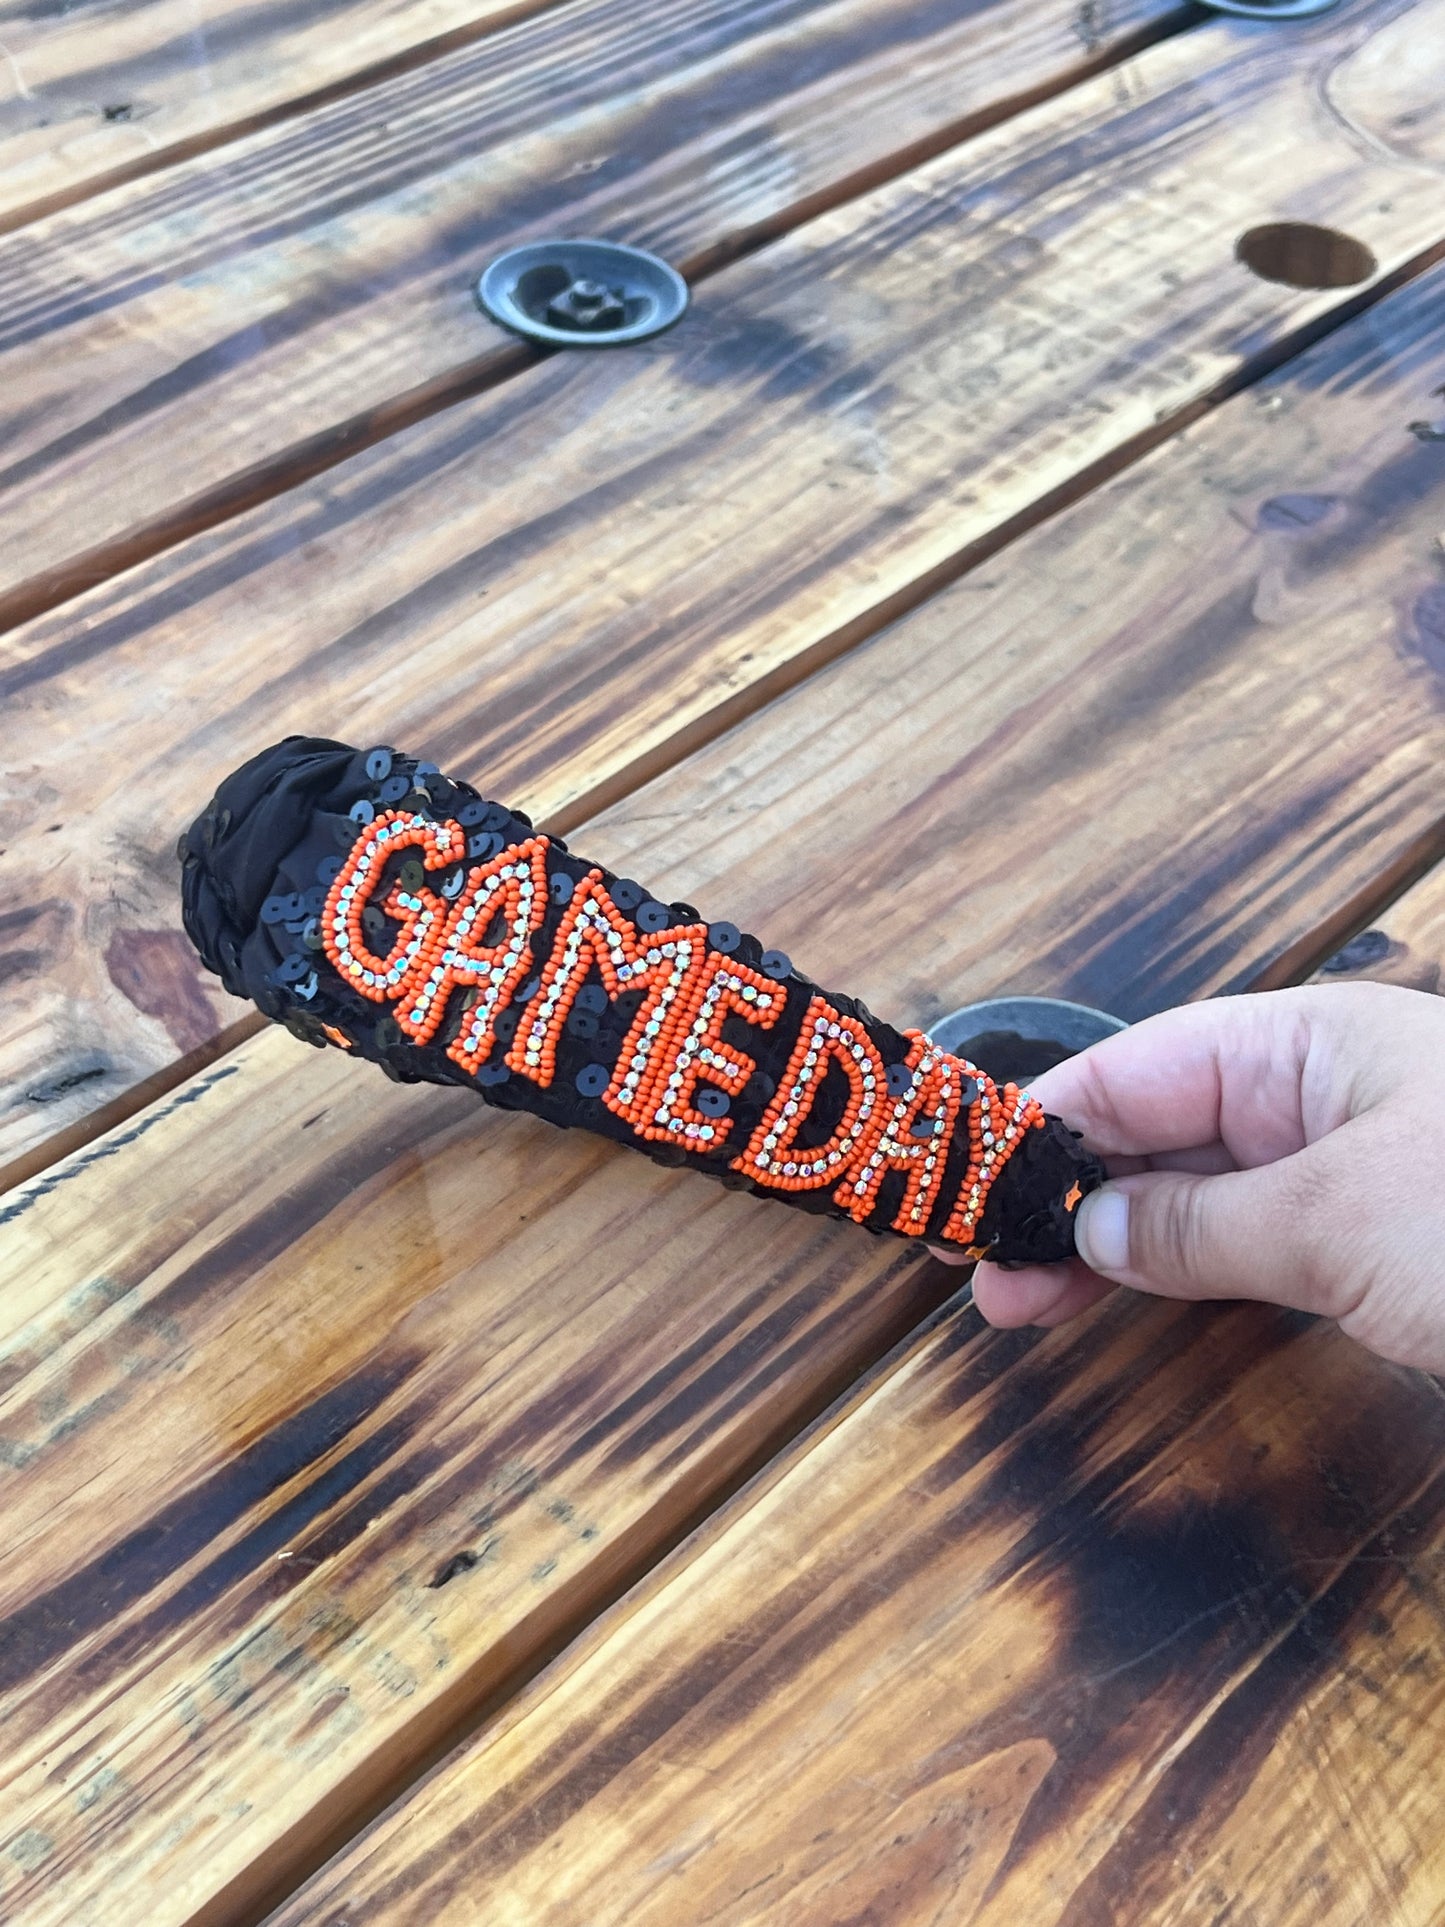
(1161,1086)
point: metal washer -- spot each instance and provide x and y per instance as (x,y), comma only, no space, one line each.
(1076,1026)
(520,287)
(1262,10)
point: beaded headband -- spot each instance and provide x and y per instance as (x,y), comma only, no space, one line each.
(367,901)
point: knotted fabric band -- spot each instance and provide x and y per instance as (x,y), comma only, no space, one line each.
(367,901)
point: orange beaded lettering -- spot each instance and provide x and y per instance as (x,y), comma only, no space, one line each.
(916,1137)
(510,890)
(595,934)
(420,913)
(699,1054)
(997,1120)
(669,967)
(674,1080)
(826,1038)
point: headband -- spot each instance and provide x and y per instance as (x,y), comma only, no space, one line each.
(370,903)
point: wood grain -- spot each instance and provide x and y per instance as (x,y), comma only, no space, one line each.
(286,1348)
(176,351)
(1405,945)
(406,1405)
(564,585)
(105,90)
(1139,1620)
(1171,742)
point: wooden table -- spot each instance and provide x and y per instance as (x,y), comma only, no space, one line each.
(416,1516)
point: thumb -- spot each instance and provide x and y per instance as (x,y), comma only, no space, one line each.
(1244,1234)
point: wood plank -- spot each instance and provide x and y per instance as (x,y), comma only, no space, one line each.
(358,1377)
(1137,1620)
(258,1336)
(1406,944)
(178,350)
(1140,1619)
(543,586)
(107,90)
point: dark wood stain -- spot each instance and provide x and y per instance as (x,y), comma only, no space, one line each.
(720,1681)
(1214,1773)
(1162,1603)
(795,1343)
(31,937)
(1152,946)
(667,1406)
(568,63)
(526,542)
(145,1560)
(705,1392)
(225,560)
(248,31)
(229,1588)
(520,82)
(158,972)
(289,1216)
(186,378)
(22,963)
(453,1568)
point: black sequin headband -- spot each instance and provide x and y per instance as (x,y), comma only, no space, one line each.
(365,900)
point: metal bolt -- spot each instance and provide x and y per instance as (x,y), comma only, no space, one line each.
(588,306)
(575,293)
(1271,9)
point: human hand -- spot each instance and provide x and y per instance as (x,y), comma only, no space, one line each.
(1288,1147)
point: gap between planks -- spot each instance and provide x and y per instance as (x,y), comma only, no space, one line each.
(192,146)
(776,1454)
(1296,963)
(601,1620)
(1011,431)
(1324,893)
(262,481)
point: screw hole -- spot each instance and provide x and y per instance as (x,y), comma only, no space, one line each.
(1304,256)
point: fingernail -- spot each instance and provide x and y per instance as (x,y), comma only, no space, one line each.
(1101,1230)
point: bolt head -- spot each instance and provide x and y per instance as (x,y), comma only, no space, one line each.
(587,306)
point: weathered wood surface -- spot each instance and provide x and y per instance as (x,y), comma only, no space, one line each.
(1139,1620)
(1176,741)
(1406,945)
(305,1300)
(406,1406)
(563,585)
(103,90)
(189,345)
